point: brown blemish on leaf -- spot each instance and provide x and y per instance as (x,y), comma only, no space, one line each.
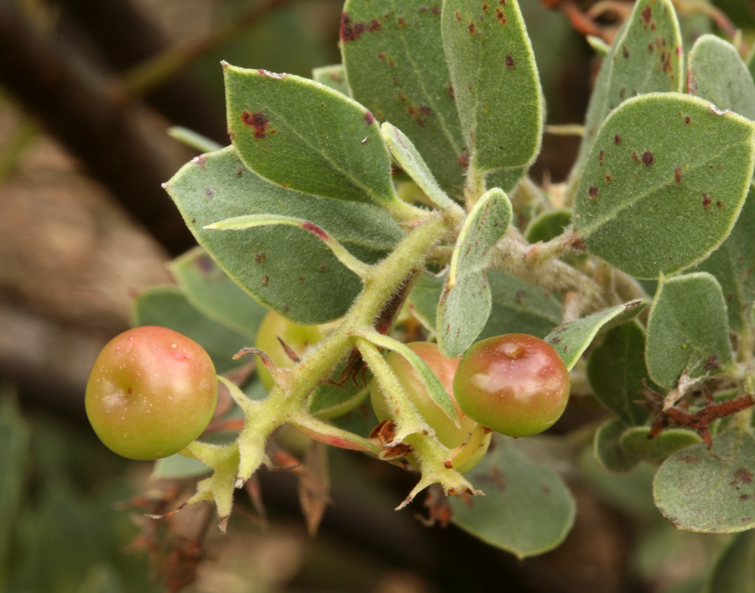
(471,28)
(690,459)
(436,9)
(625,51)
(323,268)
(650,47)
(608,177)
(706,201)
(205,264)
(635,157)
(259,257)
(742,476)
(351,31)
(719,203)
(509,62)
(647,14)
(593,191)
(209,193)
(601,154)
(687,120)
(450,89)
(678,174)
(369,118)
(424,110)
(647,158)
(617,139)
(401,23)
(239,171)
(458,16)
(464,161)
(422,9)
(744,497)
(257,120)
(501,16)
(265,280)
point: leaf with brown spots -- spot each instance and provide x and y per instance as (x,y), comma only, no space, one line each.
(710,492)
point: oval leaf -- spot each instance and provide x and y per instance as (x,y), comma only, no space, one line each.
(527,508)
(616,370)
(608,450)
(464,305)
(571,339)
(687,329)
(395,64)
(287,269)
(717,74)
(211,291)
(306,136)
(636,441)
(709,492)
(662,158)
(495,81)
(645,57)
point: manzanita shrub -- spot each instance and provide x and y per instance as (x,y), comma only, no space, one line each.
(377,201)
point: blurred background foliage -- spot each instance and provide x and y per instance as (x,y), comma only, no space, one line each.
(88,89)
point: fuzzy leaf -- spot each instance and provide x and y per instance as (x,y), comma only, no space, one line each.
(527,508)
(717,74)
(687,329)
(616,369)
(709,492)
(608,450)
(516,306)
(287,269)
(548,225)
(495,81)
(411,162)
(332,76)
(464,306)
(209,289)
(733,265)
(645,57)
(664,183)
(735,567)
(506,179)
(395,65)
(303,135)
(168,307)
(571,339)
(635,441)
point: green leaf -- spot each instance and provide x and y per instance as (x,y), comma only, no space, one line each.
(664,183)
(360,420)
(167,306)
(645,57)
(571,339)
(616,370)
(495,81)
(733,265)
(506,179)
(395,66)
(527,508)
(735,567)
(287,269)
(306,136)
(464,306)
(636,441)
(709,492)
(329,401)
(332,76)
(209,289)
(178,467)
(411,162)
(687,329)
(548,225)
(608,450)
(14,452)
(517,307)
(717,74)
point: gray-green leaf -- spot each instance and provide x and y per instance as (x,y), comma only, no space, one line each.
(306,136)
(717,74)
(464,306)
(571,339)
(527,508)
(636,442)
(211,291)
(646,57)
(664,183)
(687,329)
(495,81)
(395,66)
(616,370)
(608,450)
(287,269)
(710,492)
(332,76)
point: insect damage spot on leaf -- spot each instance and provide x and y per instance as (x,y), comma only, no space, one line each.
(257,120)
(265,280)
(501,16)
(259,257)
(706,201)
(678,174)
(209,193)
(593,192)
(647,158)
(647,15)
(457,14)
(509,62)
(617,139)
(369,118)
(351,31)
